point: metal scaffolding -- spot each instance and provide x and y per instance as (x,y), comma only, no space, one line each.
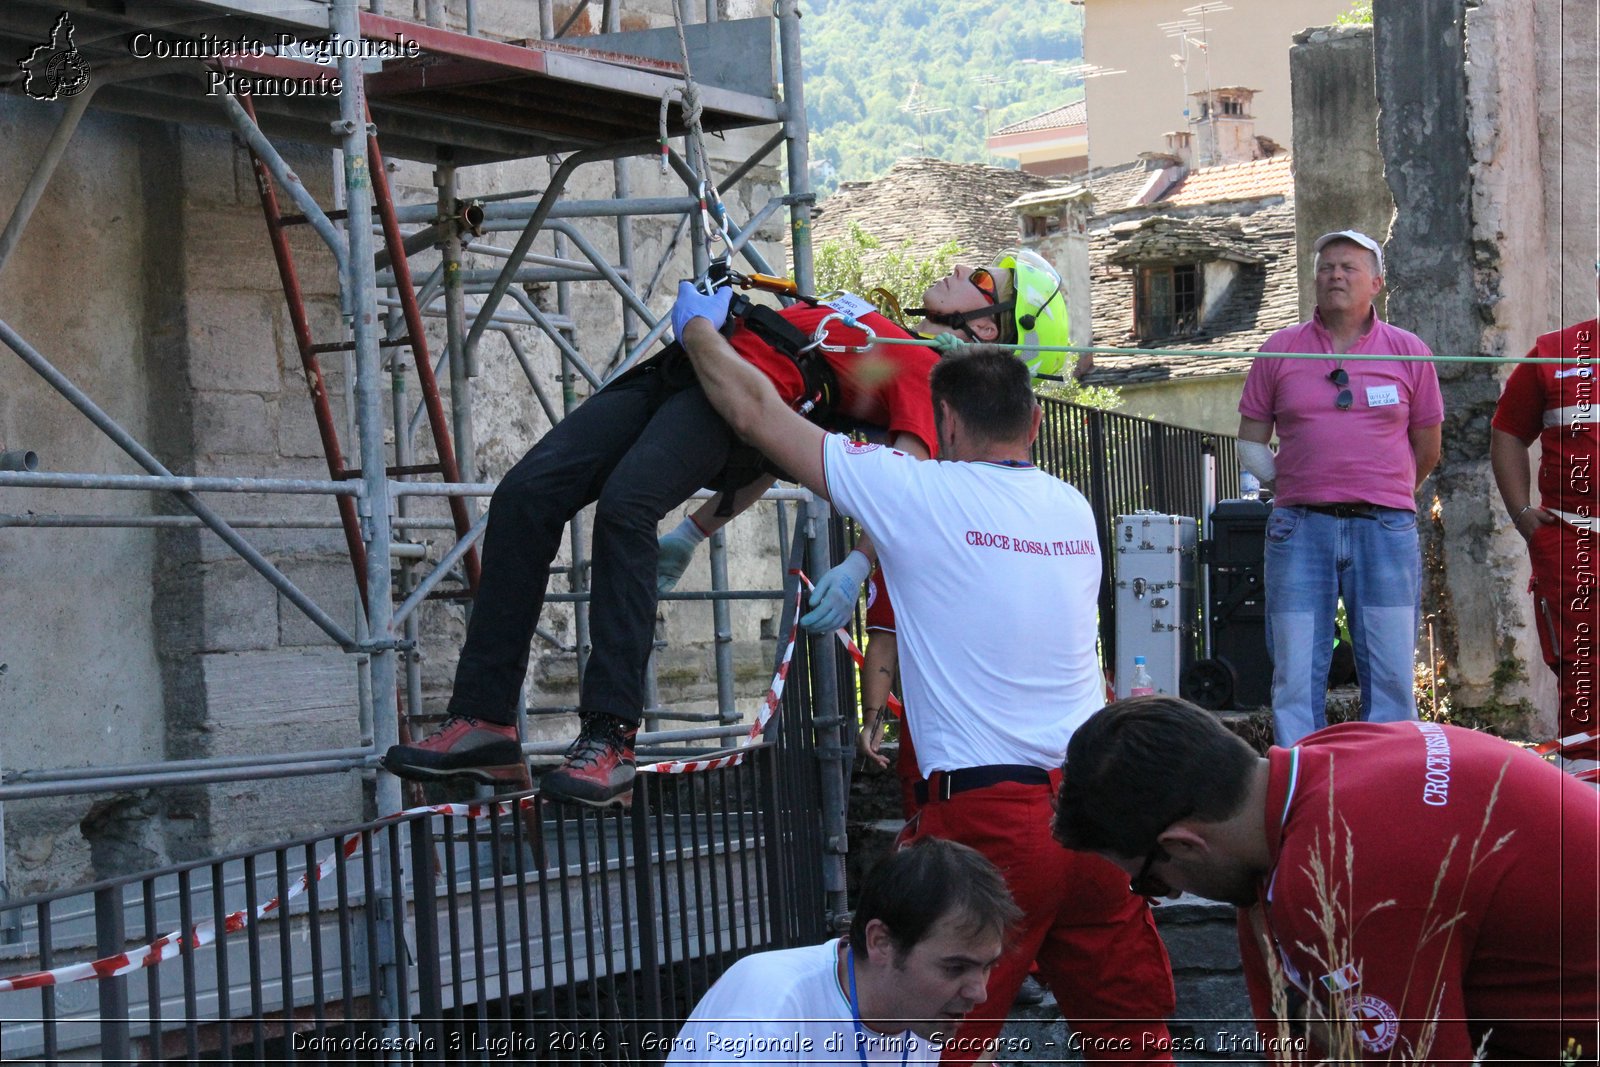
(466,100)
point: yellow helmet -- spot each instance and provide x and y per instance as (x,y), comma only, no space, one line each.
(1039,315)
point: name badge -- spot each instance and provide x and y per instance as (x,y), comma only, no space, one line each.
(1382,396)
(850,304)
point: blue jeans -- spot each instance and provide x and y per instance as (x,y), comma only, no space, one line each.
(1313,559)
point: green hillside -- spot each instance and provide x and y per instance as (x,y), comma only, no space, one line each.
(913,77)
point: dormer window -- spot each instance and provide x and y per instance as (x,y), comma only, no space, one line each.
(1167,300)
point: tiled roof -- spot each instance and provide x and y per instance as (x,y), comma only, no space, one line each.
(1073,114)
(1163,239)
(1264,296)
(1255,180)
(1114,188)
(929,202)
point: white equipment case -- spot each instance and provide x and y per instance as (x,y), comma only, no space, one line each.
(1158,616)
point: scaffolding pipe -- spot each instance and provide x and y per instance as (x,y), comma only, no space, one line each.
(286,178)
(505,210)
(56,147)
(211,763)
(794,127)
(462,546)
(559,337)
(594,256)
(558,181)
(112,429)
(189,522)
(163,482)
(19,460)
(181,778)
(722,627)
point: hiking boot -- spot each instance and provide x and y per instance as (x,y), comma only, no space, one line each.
(462,747)
(598,767)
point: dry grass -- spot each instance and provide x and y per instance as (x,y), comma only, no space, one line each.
(1328,1021)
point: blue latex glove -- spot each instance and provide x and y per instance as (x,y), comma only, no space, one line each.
(675,550)
(833,599)
(693,304)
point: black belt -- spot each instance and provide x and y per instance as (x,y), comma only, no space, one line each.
(1344,511)
(945,784)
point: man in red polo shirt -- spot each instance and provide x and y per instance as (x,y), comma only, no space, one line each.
(1410,890)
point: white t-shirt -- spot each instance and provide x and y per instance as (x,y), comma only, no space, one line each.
(995,575)
(787,1007)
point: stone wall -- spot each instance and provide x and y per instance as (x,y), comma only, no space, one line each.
(1338,171)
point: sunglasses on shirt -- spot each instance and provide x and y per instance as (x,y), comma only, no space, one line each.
(1341,379)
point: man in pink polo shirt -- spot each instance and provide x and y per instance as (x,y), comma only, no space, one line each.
(1356,437)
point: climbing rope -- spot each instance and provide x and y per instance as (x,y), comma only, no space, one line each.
(713,216)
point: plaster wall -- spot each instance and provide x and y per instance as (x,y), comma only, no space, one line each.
(1129,113)
(80,675)
(1210,403)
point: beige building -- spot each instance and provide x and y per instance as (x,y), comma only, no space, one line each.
(1245,45)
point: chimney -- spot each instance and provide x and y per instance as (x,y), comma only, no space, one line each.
(1224,129)
(1180,143)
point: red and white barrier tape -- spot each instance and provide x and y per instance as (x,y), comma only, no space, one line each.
(204,933)
(857,657)
(770,704)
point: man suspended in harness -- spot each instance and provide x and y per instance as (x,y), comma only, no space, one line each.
(637,449)
(1026,305)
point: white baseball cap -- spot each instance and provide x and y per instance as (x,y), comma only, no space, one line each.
(1355,236)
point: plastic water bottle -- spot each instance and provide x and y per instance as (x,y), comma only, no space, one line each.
(1249,486)
(1143,685)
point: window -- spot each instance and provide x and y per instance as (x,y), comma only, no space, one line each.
(1167,300)
(1040,225)
(1232,107)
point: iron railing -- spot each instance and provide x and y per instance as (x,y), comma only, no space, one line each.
(542,932)
(1122,464)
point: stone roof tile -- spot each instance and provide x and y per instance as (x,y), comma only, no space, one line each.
(929,202)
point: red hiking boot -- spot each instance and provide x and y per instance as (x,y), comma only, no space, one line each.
(462,747)
(599,767)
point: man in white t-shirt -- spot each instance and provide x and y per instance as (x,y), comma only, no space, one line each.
(982,554)
(929,925)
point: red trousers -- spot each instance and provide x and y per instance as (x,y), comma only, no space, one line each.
(1095,942)
(1566,602)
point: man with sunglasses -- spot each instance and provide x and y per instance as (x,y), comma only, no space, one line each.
(637,449)
(1356,438)
(1407,892)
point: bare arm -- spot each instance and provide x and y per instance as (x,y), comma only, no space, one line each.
(1254,430)
(1508,458)
(1425,447)
(746,399)
(877,678)
(706,517)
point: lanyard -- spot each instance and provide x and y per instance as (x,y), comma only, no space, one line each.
(855,1015)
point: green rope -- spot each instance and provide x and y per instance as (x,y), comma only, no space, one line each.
(1106,350)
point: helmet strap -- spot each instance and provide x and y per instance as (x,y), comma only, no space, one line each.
(958,320)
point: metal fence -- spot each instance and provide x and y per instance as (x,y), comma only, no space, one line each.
(1122,464)
(534,931)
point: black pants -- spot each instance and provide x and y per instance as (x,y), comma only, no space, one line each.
(639,456)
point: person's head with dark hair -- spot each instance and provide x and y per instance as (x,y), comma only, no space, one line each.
(930,923)
(983,402)
(1163,789)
